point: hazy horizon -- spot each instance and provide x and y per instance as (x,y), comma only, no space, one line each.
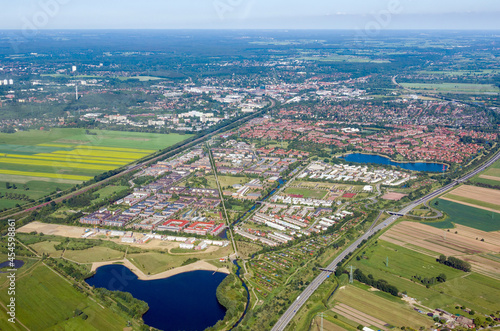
(250,14)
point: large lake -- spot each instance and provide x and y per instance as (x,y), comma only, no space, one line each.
(377,159)
(185,301)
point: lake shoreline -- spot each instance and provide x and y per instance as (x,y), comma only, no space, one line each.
(344,156)
(198,265)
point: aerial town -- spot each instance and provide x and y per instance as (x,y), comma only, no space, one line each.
(249,180)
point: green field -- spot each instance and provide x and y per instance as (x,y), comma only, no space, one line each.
(28,140)
(47,247)
(44,301)
(154,262)
(493,171)
(60,158)
(453,87)
(94,254)
(465,289)
(307,193)
(474,202)
(10,203)
(469,216)
(108,191)
(392,312)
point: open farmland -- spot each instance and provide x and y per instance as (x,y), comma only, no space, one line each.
(73,155)
(462,242)
(47,301)
(471,216)
(408,261)
(491,176)
(478,197)
(368,309)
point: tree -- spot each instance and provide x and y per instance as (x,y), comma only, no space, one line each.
(441,278)
(7,185)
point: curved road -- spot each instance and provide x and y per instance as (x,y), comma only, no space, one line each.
(313,286)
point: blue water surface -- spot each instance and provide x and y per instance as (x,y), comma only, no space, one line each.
(185,301)
(377,159)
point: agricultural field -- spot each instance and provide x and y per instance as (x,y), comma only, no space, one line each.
(477,291)
(453,87)
(40,162)
(474,196)
(490,176)
(368,309)
(459,213)
(44,300)
(474,246)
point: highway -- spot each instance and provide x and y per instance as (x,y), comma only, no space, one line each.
(313,286)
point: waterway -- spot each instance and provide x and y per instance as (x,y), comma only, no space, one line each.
(413,166)
(281,182)
(238,271)
(185,301)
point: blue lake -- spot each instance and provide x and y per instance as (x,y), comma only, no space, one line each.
(377,159)
(17,264)
(185,301)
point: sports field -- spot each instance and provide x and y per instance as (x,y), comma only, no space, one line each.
(306,193)
(74,155)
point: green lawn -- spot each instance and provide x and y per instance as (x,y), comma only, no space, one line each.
(153,263)
(94,254)
(44,300)
(36,188)
(4,203)
(109,191)
(469,216)
(47,247)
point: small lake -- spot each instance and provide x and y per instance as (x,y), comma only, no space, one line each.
(17,264)
(377,159)
(185,301)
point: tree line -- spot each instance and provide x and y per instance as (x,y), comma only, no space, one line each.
(380,284)
(454,263)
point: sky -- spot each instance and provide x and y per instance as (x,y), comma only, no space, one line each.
(250,14)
